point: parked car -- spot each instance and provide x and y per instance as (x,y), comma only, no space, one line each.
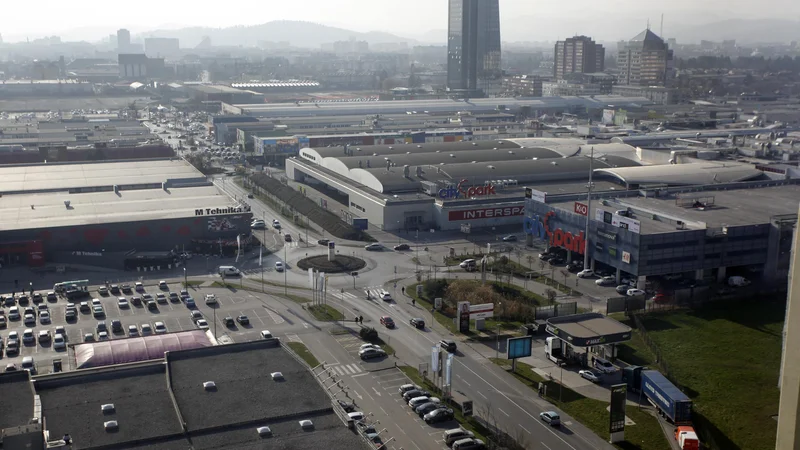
(509,238)
(589,375)
(122,302)
(586,273)
(323,242)
(370,353)
(606,281)
(634,292)
(622,289)
(243,320)
(59,342)
(160,328)
(439,415)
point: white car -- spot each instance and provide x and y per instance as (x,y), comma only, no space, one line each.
(589,375)
(13,313)
(606,281)
(147,330)
(366,346)
(44,317)
(160,327)
(634,292)
(265,334)
(102,336)
(202,324)
(123,302)
(385,296)
(59,343)
(133,331)
(279,266)
(211,299)
(96,302)
(586,273)
(162,285)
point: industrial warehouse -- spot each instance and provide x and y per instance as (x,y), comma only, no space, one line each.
(114,214)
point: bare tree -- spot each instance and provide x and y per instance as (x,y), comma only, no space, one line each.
(530,262)
(518,254)
(542,265)
(551,295)
(564,273)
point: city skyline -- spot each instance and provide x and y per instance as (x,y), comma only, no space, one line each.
(419,20)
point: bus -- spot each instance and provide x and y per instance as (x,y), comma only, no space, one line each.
(72,289)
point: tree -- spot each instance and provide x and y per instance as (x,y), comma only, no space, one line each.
(530,262)
(564,273)
(551,295)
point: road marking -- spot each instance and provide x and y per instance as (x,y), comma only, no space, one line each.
(294,338)
(376,392)
(545,445)
(481,394)
(503,412)
(360,375)
(339,370)
(355,368)
(526,430)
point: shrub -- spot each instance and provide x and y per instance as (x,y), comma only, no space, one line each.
(368,334)
(434,288)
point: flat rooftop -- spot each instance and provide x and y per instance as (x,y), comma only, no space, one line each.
(52,177)
(733,207)
(15,389)
(245,390)
(588,326)
(47,210)
(142,406)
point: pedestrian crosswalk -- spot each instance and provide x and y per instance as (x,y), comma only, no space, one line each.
(345,369)
(374,292)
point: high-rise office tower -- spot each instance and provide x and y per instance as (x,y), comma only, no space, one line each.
(645,60)
(473,47)
(123,40)
(579,54)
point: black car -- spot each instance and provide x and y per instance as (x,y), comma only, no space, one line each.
(116,326)
(425,408)
(439,415)
(228,321)
(152,305)
(408,395)
(114,289)
(250,196)
(37,298)
(70,315)
(417,322)
(101,326)
(448,345)
(323,241)
(22,299)
(400,247)
(347,407)
(126,288)
(243,320)
(510,238)
(622,289)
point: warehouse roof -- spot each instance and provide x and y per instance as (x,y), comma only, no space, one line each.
(699,173)
(444,157)
(438,106)
(62,177)
(48,210)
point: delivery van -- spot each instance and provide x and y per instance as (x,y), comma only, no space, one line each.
(228,271)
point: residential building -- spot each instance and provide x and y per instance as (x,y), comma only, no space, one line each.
(161,47)
(645,60)
(604,81)
(123,40)
(473,48)
(579,54)
(522,86)
(563,88)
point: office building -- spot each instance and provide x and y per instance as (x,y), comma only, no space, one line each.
(645,60)
(523,86)
(579,54)
(123,40)
(473,48)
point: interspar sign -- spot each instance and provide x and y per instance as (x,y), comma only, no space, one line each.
(485,213)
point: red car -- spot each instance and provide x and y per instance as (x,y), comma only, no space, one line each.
(387,322)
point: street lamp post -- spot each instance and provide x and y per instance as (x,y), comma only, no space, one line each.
(285,288)
(185,280)
(215,323)
(588,210)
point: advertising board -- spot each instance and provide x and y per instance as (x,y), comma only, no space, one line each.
(286,145)
(485,213)
(482,311)
(626,223)
(519,347)
(460,191)
(581,208)
(538,196)
(463,316)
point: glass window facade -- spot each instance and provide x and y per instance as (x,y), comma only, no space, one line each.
(473,47)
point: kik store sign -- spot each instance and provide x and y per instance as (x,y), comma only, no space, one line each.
(542,228)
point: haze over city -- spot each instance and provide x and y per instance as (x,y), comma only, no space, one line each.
(422,20)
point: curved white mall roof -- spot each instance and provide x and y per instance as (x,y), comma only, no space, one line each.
(700,173)
(121,351)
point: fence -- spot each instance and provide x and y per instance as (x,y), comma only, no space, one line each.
(701,424)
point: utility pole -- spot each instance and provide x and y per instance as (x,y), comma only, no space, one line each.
(285,288)
(588,212)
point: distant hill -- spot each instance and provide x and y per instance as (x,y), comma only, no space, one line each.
(745,31)
(297,33)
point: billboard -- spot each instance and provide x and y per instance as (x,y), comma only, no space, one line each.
(463,316)
(280,145)
(533,194)
(618,221)
(485,213)
(481,311)
(360,224)
(519,347)
(608,116)
(619,394)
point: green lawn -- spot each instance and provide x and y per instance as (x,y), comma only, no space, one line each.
(645,435)
(296,298)
(325,313)
(726,357)
(303,352)
(191,283)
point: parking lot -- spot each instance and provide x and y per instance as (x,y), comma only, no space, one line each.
(173,314)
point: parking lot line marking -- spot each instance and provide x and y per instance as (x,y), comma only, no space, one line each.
(481,394)
(545,446)
(526,430)
(503,412)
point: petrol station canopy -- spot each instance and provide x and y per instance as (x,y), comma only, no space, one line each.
(588,329)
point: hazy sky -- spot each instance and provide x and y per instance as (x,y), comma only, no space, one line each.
(93,19)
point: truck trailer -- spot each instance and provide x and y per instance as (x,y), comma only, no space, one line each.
(554,350)
(668,399)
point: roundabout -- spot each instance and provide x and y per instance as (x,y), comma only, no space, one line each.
(339,264)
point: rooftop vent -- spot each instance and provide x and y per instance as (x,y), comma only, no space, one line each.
(475,144)
(66,203)
(452,155)
(305,424)
(111,425)
(495,148)
(264,431)
(554,163)
(391,148)
(276,376)
(108,408)
(418,146)
(490,167)
(210,386)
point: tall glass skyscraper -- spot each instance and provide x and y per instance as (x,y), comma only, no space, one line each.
(473,47)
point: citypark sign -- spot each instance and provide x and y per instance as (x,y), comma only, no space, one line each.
(542,228)
(459,191)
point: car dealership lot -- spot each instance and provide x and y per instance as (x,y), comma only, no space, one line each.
(176,316)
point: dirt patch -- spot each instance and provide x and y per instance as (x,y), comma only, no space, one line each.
(340,263)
